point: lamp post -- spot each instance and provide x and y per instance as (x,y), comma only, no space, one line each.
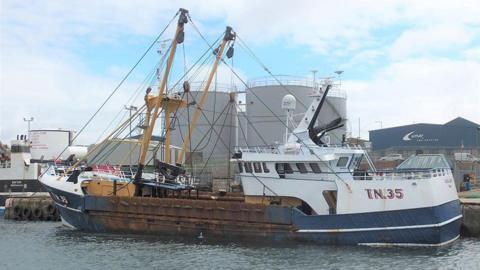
(339,73)
(28,120)
(314,72)
(380,122)
(130,109)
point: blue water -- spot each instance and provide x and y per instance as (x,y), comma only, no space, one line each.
(47,245)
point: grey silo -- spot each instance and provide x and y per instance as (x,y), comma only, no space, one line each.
(218,143)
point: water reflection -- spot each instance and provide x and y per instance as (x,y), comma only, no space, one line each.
(49,245)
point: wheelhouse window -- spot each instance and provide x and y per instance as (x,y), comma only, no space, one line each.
(279,168)
(342,162)
(301,167)
(315,167)
(265,168)
(288,168)
(283,168)
(248,167)
(240,167)
(257,167)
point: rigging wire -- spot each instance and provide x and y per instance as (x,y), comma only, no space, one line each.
(252,54)
(211,127)
(216,141)
(148,80)
(115,89)
(280,120)
(101,155)
(244,46)
(184,76)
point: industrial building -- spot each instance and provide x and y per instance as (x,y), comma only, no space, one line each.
(456,136)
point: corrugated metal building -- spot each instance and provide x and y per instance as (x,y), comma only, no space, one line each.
(452,136)
(457,136)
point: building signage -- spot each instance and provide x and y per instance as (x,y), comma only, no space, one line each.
(418,137)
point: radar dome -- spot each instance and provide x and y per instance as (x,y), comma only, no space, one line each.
(289,102)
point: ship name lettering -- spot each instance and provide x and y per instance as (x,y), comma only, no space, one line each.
(384,194)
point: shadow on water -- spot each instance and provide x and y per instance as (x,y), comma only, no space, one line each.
(71,235)
(257,254)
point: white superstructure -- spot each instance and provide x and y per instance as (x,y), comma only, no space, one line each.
(326,178)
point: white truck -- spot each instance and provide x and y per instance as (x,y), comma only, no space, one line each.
(392,157)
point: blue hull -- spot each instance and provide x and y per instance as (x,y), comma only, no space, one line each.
(429,226)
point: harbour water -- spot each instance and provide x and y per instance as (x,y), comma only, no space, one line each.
(49,245)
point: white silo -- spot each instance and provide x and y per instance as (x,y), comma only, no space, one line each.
(265,114)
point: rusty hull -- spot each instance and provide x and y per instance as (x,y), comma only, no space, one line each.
(167,216)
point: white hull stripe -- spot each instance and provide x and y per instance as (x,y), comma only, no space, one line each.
(69,208)
(381,228)
(409,244)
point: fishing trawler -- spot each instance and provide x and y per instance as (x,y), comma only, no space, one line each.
(302,190)
(18,175)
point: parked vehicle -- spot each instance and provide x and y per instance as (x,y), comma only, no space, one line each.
(392,157)
(466,157)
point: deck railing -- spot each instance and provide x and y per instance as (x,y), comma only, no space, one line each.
(274,149)
(402,175)
(5,164)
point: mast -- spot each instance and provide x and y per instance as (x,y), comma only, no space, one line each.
(229,36)
(179,37)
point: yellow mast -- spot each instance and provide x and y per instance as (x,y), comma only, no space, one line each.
(179,35)
(229,36)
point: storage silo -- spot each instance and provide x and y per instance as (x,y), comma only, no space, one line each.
(213,139)
(264,99)
(49,143)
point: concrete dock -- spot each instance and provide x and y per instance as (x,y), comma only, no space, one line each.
(470,201)
(31,208)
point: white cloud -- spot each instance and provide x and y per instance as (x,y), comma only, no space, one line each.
(472,54)
(437,39)
(416,90)
(57,93)
(42,75)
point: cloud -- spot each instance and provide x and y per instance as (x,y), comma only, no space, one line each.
(412,42)
(416,90)
(472,54)
(432,40)
(57,93)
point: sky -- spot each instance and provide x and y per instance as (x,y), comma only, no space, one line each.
(404,61)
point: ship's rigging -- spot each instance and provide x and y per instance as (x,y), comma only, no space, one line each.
(162,105)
